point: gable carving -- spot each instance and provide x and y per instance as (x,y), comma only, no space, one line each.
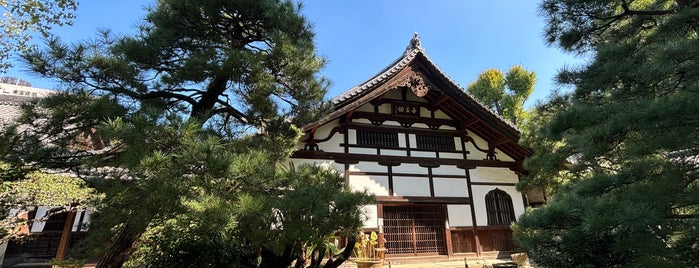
(417,83)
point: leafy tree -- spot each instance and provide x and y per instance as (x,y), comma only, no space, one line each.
(505,93)
(22,190)
(626,142)
(192,116)
(23,18)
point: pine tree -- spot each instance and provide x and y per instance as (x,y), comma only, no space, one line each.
(505,94)
(196,113)
(624,161)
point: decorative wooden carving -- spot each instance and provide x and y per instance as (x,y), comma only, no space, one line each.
(417,83)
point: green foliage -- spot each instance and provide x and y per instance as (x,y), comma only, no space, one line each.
(620,151)
(188,121)
(23,18)
(22,190)
(505,94)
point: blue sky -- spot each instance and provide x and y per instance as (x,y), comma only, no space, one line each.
(359,38)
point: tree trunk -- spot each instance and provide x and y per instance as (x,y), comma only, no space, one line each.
(118,252)
(337,260)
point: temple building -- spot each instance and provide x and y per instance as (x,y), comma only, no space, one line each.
(443,167)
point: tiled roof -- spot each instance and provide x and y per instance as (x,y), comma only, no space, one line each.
(12,96)
(411,52)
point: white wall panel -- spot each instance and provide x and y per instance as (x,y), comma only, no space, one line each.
(394,152)
(423,154)
(448,170)
(362,150)
(377,185)
(391,123)
(441,115)
(451,155)
(458,145)
(420,125)
(368,167)
(352,136)
(411,186)
(333,145)
(492,174)
(370,213)
(340,168)
(459,215)
(366,108)
(409,168)
(401,140)
(385,108)
(361,120)
(39,225)
(413,141)
(450,187)
(502,156)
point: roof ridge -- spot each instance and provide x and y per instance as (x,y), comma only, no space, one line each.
(411,51)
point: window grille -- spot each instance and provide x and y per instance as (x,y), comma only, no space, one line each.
(377,138)
(498,204)
(443,143)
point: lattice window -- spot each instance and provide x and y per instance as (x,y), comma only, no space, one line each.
(498,204)
(377,138)
(443,143)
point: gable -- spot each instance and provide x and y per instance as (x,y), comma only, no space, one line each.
(414,84)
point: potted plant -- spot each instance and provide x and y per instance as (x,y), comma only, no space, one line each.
(365,251)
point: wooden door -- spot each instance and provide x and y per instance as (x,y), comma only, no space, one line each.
(414,229)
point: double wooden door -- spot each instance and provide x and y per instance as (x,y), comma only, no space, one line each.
(414,229)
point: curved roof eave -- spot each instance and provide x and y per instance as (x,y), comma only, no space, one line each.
(411,53)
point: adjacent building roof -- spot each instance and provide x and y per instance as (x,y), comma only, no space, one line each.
(12,96)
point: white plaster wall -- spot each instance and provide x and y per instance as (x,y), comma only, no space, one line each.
(424,112)
(479,192)
(441,115)
(459,215)
(475,153)
(413,140)
(411,186)
(377,185)
(340,168)
(444,127)
(368,167)
(361,120)
(370,216)
(401,140)
(458,144)
(492,174)
(451,155)
(449,187)
(393,152)
(502,156)
(39,225)
(353,150)
(409,168)
(412,97)
(333,145)
(423,154)
(391,123)
(393,94)
(352,136)
(448,170)
(76,222)
(366,108)
(420,125)
(385,108)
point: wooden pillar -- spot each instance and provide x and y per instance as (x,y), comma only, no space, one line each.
(65,236)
